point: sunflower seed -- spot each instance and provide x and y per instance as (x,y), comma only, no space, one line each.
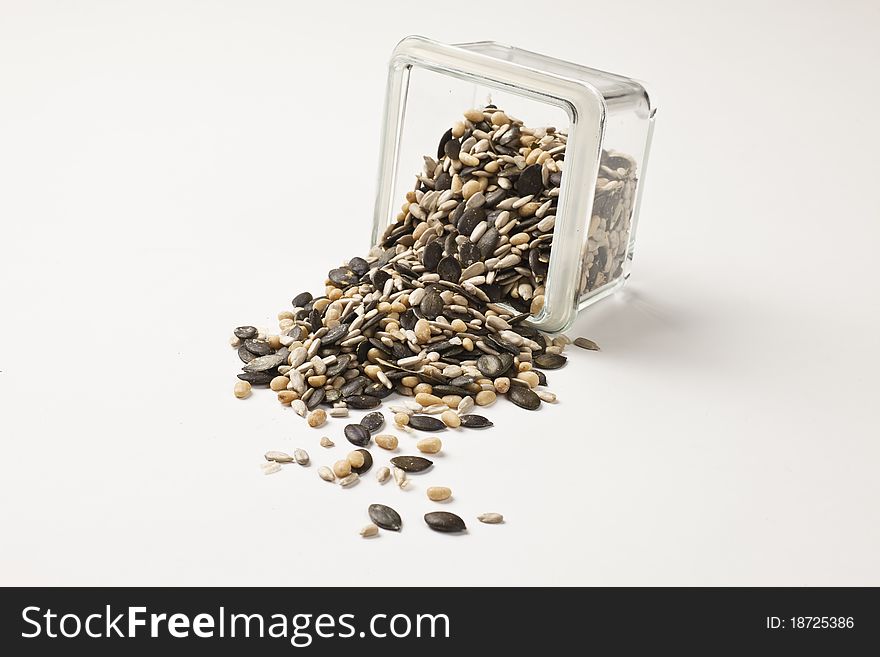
(299,406)
(369,531)
(491,518)
(271,468)
(443,521)
(350,480)
(429,445)
(438,493)
(400,478)
(263,363)
(411,463)
(278,457)
(326,442)
(301,456)
(382,474)
(364,402)
(326,473)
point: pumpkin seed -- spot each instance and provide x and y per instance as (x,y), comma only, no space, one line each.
(444,521)
(475,422)
(385,517)
(411,463)
(366,463)
(426,423)
(584,343)
(357,434)
(373,421)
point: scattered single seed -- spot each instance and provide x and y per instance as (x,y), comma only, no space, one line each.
(242,389)
(317,417)
(369,531)
(429,445)
(373,421)
(465,405)
(298,405)
(350,480)
(584,343)
(385,517)
(439,493)
(326,442)
(443,521)
(546,395)
(386,441)
(400,478)
(411,463)
(475,422)
(382,474)
(401,419)
(338,412)
(278,457)
(301,456)
(271,468)
(342,468)
(491,518)
(326,473)
(357,434)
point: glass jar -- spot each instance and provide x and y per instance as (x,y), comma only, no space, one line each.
(603,121)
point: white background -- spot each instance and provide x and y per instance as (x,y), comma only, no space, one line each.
(169,170)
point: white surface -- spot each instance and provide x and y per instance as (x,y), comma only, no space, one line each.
(164,167)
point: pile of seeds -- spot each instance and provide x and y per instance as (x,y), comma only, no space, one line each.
(437,310)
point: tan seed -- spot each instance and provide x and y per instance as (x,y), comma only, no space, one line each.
(410,381)
(234,341)
(450,419)
(471,187)
(355,459)
(465,405)
(271,468)
(485,398)
(400,478)
(287,397)
(502,384)
(474,115)
(386,441)
(351,479)
(422,389)
(401,419)
(317,417)
(317,380)
(529,377)
(500,118)
(370,531)
(382,474)
(439,493)
(537,304)
(426,399)
(429,445)
(326,442)
(546,395)
(301,456)
(342,468)
(278,457)
(274,341)
(299,406)
(423,331)
(326,473)
(491,518)
(452,401)
(279,383)
(458,129)
(242,390)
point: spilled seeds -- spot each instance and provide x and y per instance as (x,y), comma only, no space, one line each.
(436,314)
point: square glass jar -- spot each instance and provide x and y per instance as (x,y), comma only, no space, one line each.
(607,120)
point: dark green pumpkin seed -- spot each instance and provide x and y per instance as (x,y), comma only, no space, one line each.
(475,422)
(363,402)
(357,435)
(587,344)
(263,363)
(550,361)
(524,397)
(385,517)
(411,463)
(490,365)
(443,521)
(258,347)
(373,421)
(426,423)
(245,332)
